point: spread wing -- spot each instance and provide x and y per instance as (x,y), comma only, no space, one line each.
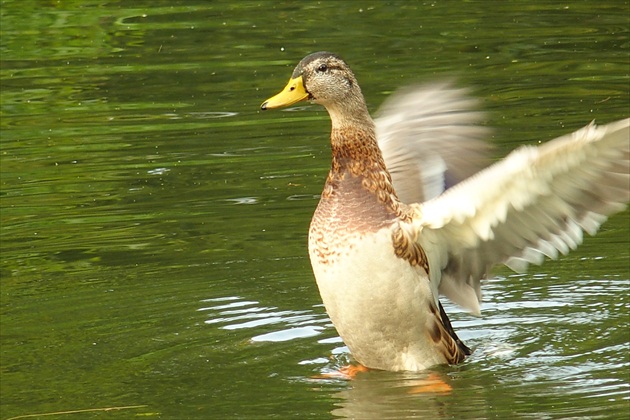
(534,203)
(431,139)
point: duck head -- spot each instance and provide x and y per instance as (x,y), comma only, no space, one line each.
(325,79)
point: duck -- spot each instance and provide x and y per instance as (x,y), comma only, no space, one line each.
(411,210)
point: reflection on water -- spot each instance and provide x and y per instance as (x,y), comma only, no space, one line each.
(234,313)
(531,341)
(393,396)
(154,223)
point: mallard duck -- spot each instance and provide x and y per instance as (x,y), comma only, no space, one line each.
(396,225)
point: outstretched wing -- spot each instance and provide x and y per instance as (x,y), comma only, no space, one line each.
(431,139)
(535,203)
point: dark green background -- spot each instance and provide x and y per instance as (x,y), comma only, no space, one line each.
(154,222)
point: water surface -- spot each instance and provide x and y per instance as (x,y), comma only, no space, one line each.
(154,222)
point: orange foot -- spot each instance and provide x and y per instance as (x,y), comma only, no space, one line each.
(351,371)
(433,384)
(346,372)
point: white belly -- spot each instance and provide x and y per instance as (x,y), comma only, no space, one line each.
(378,302)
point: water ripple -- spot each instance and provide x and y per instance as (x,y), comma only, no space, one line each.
(235,313)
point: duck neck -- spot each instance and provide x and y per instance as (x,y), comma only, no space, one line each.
(353,140)
(357,163)
(355,150)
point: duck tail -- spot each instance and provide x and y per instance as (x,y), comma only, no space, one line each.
(449,328)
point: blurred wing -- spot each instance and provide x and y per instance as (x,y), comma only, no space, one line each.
(535,203)
(431,139)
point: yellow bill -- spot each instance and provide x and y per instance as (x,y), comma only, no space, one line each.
(293,92)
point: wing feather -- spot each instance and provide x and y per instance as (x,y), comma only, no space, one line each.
(535,203)
(431,139)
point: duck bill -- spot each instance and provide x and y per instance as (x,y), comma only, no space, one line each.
(293,92)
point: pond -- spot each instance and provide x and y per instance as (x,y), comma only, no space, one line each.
(154,260)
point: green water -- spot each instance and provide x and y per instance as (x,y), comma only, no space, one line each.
(153,221)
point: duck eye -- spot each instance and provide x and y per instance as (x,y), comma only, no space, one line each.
(322,68)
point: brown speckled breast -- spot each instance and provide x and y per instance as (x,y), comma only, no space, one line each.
(358,198)
(347,208)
